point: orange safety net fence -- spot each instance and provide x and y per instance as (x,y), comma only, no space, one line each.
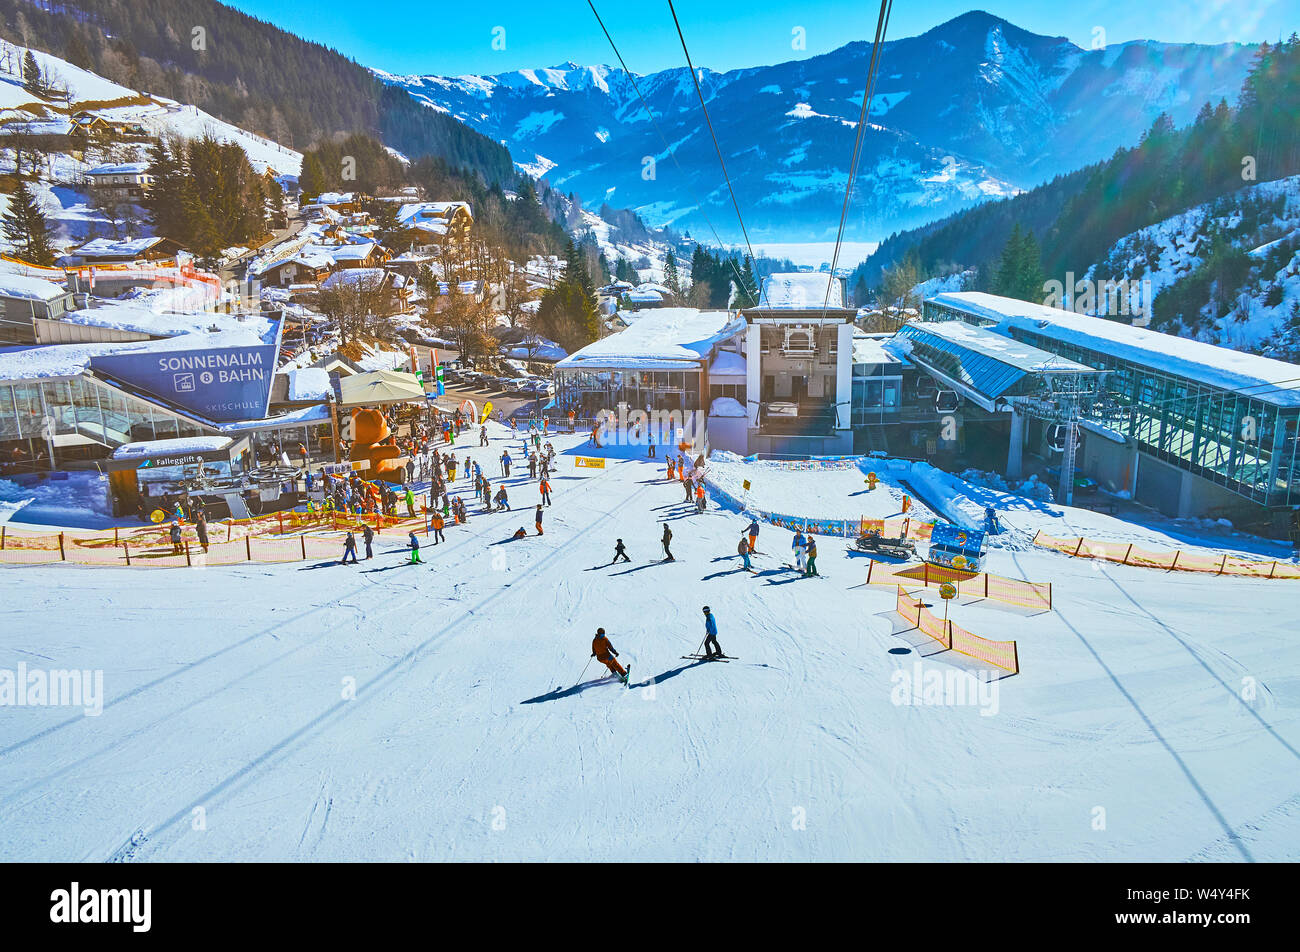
(1000,654)
(283,537)
(1011,591)
(1126,554)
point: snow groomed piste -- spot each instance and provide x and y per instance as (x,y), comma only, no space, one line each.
(386,710)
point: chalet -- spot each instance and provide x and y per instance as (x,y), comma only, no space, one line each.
(422,224)
(104,251)
(309,266)
(126,182)
(345,203)
(91,124)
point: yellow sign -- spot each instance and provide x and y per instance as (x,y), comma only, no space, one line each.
(157,516)
(745,484)
(487,411)
(589,462)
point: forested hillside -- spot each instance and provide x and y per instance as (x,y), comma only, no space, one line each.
(247,72)
(1078,217)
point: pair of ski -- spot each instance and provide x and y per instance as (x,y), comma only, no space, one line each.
(700,657)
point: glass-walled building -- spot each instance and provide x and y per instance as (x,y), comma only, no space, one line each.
(660,361)
(1226,417)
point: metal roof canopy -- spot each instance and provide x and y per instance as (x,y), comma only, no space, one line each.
(379,387)
(984,365)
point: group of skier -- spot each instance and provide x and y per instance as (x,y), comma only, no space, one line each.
(602,649)
(442,469)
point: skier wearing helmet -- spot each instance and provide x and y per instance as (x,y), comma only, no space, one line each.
(711,647)
(604,652)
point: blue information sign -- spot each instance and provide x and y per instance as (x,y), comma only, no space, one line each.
(221,384)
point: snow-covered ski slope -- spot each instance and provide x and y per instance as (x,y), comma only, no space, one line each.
(1155,717)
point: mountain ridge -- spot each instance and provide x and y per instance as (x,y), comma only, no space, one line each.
(975,107)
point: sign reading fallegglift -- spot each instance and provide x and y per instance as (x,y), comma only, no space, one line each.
(221,384)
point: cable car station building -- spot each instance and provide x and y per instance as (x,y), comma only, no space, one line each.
(1186,427)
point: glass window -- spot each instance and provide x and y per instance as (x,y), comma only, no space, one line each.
(8,417)
(27,405)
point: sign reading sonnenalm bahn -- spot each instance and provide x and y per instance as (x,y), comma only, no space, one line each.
(221,384)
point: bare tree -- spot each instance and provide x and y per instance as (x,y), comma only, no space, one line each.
(357,305)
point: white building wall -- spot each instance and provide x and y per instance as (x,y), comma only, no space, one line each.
(753,374)
(844,378)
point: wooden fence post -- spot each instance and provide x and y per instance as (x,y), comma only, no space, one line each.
(1128,553)
(62,555)
(1223,563)
(127,552)
(114,535)
(1174,564)
(1034,541)
(303,540)
(248,547)
(1079,548)
(2,535)
(188,563)
(871,563)
(1273,569)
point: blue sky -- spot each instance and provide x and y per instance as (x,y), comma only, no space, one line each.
(416,36)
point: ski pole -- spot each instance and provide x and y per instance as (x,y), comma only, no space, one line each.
(584,670)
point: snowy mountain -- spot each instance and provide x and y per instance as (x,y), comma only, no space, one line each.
(972,109)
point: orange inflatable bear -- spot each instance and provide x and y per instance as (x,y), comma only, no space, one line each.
(369,431)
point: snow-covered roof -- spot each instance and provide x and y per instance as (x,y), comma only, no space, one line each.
(29,289)
(173,447)
(122,168)
(1273,381)
(868,350)
(145,315)
(414,213)
(313,414)
(726,407)
(309,383)
(115,247)
(371,277)
(663,338)
(999,347)
(357,251)
(727,363)
(46,361)
(800,290)
(335,198)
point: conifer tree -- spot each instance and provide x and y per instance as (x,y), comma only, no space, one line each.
(26,227)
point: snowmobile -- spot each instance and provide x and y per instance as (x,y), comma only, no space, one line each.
(900,548)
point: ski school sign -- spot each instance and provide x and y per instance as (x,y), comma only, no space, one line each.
(221,384)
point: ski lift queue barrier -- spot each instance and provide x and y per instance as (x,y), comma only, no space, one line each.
(1001,654)
(153,548)
(1127,554)
(1011,591)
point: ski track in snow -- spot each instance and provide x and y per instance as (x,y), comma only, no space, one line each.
(1127,701)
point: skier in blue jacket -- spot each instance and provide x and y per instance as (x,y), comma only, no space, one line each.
(711,647)
(797,546)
